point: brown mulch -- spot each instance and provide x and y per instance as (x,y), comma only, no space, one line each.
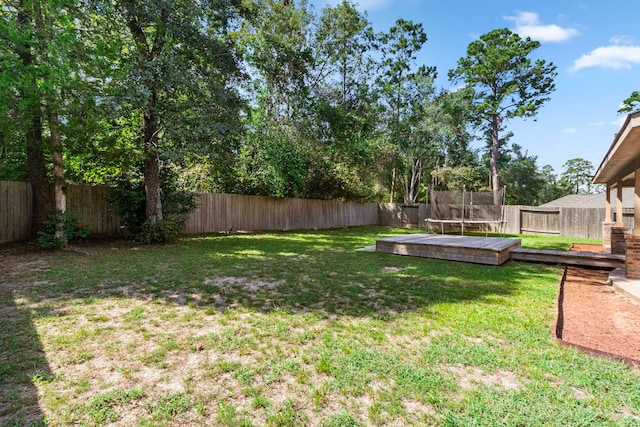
(596,318)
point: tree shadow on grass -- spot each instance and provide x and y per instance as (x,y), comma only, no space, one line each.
(22,363)
(294,272)
(319,273)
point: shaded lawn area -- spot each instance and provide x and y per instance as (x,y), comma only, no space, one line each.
(291,328)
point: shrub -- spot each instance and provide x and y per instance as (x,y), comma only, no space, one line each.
(164,231)
(128,199)
(73,231)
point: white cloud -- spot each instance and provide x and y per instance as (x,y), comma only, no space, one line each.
(623,40)
(569,131)
(528,25)
(364,4)
(616,57)
(619,122)
(596,124)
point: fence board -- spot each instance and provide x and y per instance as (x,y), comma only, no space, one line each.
(90,203)
(232,212)
(540,221)
(15,211)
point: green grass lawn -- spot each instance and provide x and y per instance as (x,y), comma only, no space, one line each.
(292,328)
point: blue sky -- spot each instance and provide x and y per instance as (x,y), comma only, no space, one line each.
(595,45)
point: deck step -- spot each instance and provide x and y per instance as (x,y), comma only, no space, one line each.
(591,259)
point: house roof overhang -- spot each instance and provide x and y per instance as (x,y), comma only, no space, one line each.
(623,158)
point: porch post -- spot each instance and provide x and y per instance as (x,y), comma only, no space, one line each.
(632,262)
(619,204)
(607,215)
(618,232)
(636,205)
(607,224)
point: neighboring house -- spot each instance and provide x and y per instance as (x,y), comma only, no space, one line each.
(590,200)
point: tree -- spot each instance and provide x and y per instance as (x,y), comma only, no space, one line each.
(404,92)
(552,189)
(522,177)
(506,83)
(456,114)
(631,104)
(177,65)
(343,42)
(22,118)
(577,175)
(343,104)
(276,48)
(49,43)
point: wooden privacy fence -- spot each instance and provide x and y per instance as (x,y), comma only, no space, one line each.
(570,222)
(90,202)
(15,211)
(232,212)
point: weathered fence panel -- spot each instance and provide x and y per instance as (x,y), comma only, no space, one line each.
(232,212)
(512,220)
(540,220)
(90,203)
(401,215)
(570,222)
(15,211)
(582,222)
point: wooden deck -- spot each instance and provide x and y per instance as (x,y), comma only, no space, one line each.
(479,250)
(586,259)
(488,250)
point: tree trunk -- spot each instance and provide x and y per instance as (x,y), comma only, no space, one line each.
(36,160)
(493,161)
(393,186)
(42,204)
(153,209)
(59,195)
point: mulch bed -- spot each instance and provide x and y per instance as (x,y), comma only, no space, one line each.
(593,317)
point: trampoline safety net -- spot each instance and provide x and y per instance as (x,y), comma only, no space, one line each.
(466,206)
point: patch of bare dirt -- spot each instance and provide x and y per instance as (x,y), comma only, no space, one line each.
(595,316)
(469,377)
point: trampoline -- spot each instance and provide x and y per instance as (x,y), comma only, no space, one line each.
(478,209)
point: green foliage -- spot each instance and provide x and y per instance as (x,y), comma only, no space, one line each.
(577,176)
(506,84)
(165,230)
(72,230)
(270,165)
(521,176)
(331,108)
(632,103)
(456,178)
(128,200)
(407,97)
